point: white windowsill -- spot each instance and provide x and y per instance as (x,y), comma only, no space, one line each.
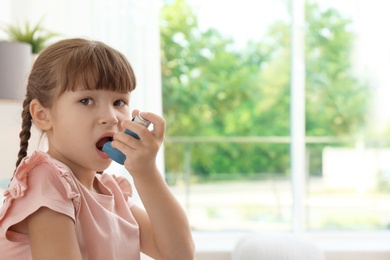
(336,245)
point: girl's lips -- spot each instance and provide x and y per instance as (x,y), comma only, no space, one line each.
(104,138)
(102,141)
(102,155)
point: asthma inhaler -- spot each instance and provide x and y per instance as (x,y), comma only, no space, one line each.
(114,153)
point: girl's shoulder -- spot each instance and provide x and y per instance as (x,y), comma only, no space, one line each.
(40,177)
(47,169)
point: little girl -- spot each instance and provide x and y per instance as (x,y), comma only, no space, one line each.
(59,204)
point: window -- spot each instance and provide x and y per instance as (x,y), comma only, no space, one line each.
(227,98)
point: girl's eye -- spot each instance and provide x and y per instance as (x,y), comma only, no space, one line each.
(119,103)
(86,101)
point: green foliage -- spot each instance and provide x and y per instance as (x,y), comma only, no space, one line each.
(35,35)
(212,89)
(333,92)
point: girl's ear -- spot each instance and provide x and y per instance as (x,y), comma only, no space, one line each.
(40,115)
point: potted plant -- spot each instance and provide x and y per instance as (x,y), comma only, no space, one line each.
(37,36)
(17,54)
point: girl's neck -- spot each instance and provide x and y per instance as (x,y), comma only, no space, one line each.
(87,178)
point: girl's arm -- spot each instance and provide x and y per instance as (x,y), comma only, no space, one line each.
(52,236)
(164,229)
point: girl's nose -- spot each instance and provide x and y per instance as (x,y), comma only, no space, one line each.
(108,117)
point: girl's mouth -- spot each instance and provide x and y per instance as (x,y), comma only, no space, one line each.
(102,141)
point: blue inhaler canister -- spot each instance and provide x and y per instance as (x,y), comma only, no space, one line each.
(117,155)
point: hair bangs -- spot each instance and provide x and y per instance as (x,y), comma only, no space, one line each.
(96,67)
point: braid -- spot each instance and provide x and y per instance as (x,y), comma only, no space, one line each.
(25,133)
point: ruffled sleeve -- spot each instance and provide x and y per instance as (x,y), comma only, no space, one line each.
(113,182)
(40,181)
(125,186)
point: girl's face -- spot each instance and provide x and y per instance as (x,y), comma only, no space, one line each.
(81,121)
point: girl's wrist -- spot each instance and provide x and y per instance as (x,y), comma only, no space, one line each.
(146,174)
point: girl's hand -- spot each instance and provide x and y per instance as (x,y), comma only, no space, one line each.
(141,154)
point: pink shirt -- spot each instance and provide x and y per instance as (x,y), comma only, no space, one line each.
(105,226)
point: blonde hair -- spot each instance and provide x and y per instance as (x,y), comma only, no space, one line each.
(69,65)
